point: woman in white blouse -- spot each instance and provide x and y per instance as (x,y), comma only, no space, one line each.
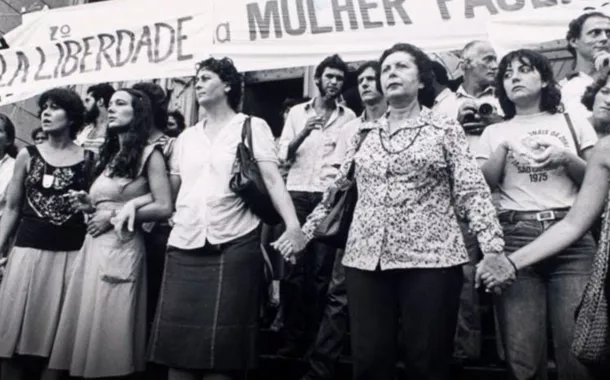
(415,176)
(206,321)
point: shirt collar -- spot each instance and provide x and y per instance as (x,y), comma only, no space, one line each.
(442,95)
(577,74)
(461,92)
(5,158)
(309,105)
(424,118)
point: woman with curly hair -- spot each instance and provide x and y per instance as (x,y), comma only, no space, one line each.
(405,250)
(206,324)
(49,233)
(102,329)
(536,160)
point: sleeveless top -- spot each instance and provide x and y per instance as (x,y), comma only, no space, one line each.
(48,220)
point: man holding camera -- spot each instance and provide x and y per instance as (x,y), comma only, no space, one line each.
(588,40)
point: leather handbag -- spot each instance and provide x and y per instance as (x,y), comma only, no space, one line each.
(247,181)
(341,200)
(591,341)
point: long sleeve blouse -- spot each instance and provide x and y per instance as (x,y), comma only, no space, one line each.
(413,184)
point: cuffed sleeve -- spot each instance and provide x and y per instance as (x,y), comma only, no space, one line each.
(472,197)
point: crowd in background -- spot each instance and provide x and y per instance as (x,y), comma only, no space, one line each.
(126,243)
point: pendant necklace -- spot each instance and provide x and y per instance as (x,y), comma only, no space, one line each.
(47,179)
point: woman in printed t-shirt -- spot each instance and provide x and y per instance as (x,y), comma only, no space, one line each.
(532,159)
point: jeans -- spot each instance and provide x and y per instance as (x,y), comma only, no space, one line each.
(468,331)
(304,286)
(328,344)
(547,291)
(423,303)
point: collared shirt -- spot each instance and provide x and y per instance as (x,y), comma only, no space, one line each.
(413,184)
(572,89)
(311,169)
(206,208)
(446,103)
(7,165)
(349,130)
(84,140)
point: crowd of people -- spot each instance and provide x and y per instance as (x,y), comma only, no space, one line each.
(124,242)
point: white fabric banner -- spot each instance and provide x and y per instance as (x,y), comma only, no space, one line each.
(101,42)
(144,39)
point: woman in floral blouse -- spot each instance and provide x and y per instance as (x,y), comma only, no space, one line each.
(403,258)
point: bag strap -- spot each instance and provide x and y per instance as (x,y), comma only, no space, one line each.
(573,132)
(352,167)
(246,134)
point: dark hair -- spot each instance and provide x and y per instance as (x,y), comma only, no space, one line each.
(422,61)
(368,65)
(588,98)
(228,73)
(9,130)
(333,62)
(158,101)
(70,102)
(575,28)
(288,103)
(102,91)
(550,96)
(177,115)
(125,162)
(440,73)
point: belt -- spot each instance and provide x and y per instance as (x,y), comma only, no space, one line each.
(540,216)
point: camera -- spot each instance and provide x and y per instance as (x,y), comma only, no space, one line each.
(484,109)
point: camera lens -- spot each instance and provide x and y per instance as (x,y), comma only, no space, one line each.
(469,118)
(486,109)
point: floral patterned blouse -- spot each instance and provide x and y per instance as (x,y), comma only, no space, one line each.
(413,185)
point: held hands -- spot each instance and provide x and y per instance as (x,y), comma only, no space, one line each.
(290,243)
(2,266)
(496,272)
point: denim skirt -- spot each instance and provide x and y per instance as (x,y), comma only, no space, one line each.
(207,314)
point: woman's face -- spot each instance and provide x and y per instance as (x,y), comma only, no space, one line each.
(601,104)
(53,119)
(172,125)
(522,82)
(120,110)
(209,87)
(400,76)
(40,138)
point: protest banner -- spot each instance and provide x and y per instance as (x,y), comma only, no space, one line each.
(113,41)
(145,39)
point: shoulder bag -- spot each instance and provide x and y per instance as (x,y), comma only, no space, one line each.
(247,182)
(334,228)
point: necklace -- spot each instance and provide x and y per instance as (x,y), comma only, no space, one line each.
(47,179)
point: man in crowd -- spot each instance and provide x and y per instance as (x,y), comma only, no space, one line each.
(308,141)
(96,117)
(479,64)
(331,335)
(588,40)
(445,101)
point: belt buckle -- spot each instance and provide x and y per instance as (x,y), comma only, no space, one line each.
(545,216)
